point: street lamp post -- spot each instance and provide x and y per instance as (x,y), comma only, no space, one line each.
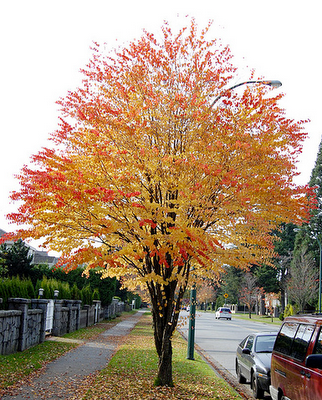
(193,294)
(320,274)
(192,323)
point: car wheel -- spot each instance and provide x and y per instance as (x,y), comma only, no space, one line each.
(257,392)
(240,377)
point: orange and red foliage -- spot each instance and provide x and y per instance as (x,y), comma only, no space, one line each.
(146,181)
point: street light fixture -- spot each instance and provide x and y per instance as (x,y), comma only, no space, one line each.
(193,294)
(272,83)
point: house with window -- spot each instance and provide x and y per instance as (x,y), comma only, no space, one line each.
(38,256)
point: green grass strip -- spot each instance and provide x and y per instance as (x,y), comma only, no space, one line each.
(132,371)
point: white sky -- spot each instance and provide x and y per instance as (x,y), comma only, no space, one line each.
(43,44)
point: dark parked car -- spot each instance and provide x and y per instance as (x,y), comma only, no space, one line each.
(253,361)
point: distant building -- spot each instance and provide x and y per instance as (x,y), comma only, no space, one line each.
(38,257)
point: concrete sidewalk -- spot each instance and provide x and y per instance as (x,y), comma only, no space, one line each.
(64,377)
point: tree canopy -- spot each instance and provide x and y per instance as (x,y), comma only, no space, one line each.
(151,183)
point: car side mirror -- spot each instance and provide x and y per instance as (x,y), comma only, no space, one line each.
(246,351)
(314,361)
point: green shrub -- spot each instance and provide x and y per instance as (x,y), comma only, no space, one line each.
(15,287)
(96,294)
(50,285)
(87,295)
(75,293)
(288,310)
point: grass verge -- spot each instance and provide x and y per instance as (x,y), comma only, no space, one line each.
(131,372)
(21,366)
(256,318)
(259,318)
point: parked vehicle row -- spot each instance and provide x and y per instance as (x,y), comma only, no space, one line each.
(287,364)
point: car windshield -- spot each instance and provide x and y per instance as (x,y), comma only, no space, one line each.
(265,344)
(225,310)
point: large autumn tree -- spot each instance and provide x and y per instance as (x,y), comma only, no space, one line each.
(156,185)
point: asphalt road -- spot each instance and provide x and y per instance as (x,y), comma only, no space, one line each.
(218,339)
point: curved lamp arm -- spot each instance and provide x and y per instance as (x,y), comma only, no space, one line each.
(273,83)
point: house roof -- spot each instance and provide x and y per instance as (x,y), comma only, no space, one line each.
(39,257)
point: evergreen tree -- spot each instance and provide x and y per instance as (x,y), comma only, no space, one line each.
(315,225)
(231,283)
(267,278)
(309,236)
(16,258)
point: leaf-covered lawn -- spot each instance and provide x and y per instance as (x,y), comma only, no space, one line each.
(18,368)
(132,371)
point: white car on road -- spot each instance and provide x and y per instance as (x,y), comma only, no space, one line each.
(223,312)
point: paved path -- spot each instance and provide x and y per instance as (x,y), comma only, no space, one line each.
(64,377)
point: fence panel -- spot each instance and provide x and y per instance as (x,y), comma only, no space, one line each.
(50,317)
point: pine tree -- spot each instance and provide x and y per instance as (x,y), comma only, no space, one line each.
(316,220)
(310,234)
(16,258)
(309,237)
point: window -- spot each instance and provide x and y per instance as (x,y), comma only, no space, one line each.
(284,340)
(242,344)
(318,345)
(250,342)
(265,344)
(301,341)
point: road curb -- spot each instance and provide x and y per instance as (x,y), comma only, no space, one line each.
(222,372)
(225,374)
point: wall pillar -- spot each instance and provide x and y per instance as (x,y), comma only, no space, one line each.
(42,305)
(87,308)
(78,304)
(21,305)
(57,317)
(70,305)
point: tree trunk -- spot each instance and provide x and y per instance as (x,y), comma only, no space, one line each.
(164,325)
(165,320)
(164,377)
(166,303)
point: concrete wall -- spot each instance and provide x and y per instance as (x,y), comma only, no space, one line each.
(24,324)
(9,331)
